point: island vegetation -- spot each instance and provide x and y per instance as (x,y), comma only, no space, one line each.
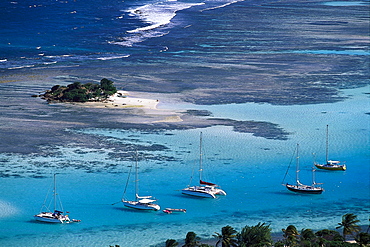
(78,92)
(260,236)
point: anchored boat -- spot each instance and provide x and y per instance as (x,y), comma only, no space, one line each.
(204,189)
(331,165)
(140,202)
(302,188)
(55,216)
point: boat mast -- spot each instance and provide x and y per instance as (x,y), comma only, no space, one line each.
(297,166)
(327,143)
(313,177)
(136,178)
(55,193)
(200,157)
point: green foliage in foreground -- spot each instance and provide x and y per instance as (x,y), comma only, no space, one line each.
(349,224)
(228,236)
(77,92)
(260,236)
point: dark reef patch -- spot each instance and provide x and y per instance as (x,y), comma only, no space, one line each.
(200,113)
(257,128)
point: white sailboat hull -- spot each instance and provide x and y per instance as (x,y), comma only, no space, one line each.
(50,217)
(220,192)
(141,206)
(203,191)
(331,166)
(198,193)
(305,189)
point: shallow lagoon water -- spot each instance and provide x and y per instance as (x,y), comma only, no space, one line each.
(249,169)
(343,3)
(217,52)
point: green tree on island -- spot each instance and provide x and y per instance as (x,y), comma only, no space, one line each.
(107,86)
(77,92)
(349,225)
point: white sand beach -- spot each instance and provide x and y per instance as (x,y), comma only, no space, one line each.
(122,99)
(125,99)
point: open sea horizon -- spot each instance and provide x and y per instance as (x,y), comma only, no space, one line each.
(289,66)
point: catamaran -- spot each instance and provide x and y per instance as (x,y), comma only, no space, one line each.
(204,189)
(331,165)
(55,216)
(302,188)
(141,202)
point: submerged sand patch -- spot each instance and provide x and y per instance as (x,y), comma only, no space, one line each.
(170,119)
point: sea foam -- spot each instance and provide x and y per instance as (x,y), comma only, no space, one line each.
(155,15)
(158,14)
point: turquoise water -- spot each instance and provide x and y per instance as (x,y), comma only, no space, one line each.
(250,169)
(345,3)
(214,54)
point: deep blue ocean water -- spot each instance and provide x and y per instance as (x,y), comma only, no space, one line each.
(300,49)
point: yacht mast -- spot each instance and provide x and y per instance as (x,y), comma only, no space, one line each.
(136,178)
(297,166)
(200,157)
(327,143)
(55,193)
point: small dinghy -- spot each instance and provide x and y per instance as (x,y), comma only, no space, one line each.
(174,210)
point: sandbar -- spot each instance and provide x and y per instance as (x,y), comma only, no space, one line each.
(122,99)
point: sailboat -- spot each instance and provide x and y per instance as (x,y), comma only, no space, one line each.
(55,216)
(141,202)
(332,165)
(302,188)
(204,189)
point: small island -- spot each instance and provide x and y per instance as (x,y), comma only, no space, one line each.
(77,92)
(103,95)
